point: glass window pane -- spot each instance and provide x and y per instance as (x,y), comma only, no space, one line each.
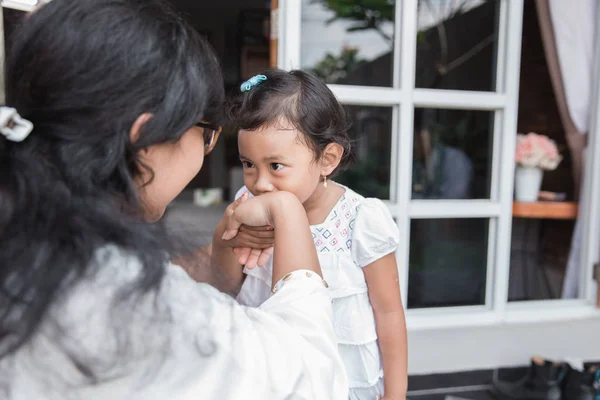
(452,154)
(457,44)
(540,252)
(447,264)
(372,134)
(349,42)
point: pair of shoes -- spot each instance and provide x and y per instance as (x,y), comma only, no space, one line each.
(582,385)
(547,380)
(543,381)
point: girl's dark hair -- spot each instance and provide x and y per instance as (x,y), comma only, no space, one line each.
(83,71)
(303,100)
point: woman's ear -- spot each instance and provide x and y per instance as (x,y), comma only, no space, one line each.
(136,128)
(330,158)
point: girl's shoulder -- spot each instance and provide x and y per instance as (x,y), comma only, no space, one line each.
(351,200)
(374,231)
(363,207)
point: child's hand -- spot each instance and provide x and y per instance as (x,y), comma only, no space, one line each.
(253,244)
(254,212)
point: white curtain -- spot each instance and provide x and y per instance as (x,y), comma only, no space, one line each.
(574,29)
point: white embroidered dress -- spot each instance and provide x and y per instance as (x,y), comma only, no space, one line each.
(357,232)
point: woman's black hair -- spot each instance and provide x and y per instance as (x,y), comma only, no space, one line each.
(82,72)
(301,99)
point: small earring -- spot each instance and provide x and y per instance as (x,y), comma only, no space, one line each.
(324,181)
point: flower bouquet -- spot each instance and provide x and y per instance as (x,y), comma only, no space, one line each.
(534,154)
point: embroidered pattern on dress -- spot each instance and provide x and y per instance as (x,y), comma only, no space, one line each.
(335,234)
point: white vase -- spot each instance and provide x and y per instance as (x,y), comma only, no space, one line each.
(528,181)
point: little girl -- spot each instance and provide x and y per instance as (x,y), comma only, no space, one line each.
(294,137)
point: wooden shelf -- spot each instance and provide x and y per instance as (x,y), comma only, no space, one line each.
(546,210)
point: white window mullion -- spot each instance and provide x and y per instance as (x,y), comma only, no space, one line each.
(453,209)
(497,137)
(395,164)
(395,160)
(408,49)
(397,56)
(495,190)
(458,99)
(501,50)
(490,272)
(511,57)
(290,29)
(458,317)
(366,96)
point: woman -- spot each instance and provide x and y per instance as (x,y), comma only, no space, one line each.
(107,124)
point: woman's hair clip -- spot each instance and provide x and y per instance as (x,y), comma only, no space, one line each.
(13,126)
(250,83)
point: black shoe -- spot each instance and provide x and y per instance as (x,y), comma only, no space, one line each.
(542,382)
(580,385)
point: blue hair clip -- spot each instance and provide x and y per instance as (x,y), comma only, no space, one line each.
(250,83)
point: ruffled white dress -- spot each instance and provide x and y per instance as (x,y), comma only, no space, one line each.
(357,232)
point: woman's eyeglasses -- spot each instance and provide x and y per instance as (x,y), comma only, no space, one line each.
(211,135)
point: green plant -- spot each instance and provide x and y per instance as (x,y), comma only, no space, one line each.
(333,68)
(366,14)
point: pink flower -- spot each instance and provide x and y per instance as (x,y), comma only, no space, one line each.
(537,151)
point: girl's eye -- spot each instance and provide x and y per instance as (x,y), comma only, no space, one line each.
(247,164)
(276,166)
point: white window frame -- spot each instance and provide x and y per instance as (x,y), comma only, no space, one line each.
(403,98)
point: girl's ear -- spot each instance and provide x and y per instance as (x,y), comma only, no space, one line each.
(330,158)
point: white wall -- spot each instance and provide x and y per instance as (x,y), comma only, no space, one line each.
(473,348)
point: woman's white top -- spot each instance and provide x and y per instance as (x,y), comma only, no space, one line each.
(186,341)
(357,232)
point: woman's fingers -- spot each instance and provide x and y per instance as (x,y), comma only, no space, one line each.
(264,228)
(264,257)
(253,258)
(233,225)
(247,239)
(244,253)
(266,234)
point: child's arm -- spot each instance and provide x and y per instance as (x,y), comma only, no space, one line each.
(384,294)
(375,238)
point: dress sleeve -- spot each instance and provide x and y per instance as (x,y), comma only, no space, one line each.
(256,288)
(375,233)
(286,348)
